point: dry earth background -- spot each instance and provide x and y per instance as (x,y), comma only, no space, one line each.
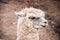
(8,20)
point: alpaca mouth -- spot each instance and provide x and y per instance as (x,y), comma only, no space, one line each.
(38,27)
(43,26)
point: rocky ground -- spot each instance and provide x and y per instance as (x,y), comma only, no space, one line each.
(8,19)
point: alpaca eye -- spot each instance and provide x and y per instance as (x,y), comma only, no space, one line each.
(34,18)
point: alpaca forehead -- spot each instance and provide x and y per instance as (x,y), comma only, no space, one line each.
(36,14)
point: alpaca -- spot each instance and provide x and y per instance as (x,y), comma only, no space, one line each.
(29,21)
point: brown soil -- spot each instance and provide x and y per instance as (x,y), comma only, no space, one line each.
(8,19)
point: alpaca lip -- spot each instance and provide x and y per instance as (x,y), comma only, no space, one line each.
(43,25)
(36,27)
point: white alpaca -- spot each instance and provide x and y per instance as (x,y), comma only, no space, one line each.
(30,19)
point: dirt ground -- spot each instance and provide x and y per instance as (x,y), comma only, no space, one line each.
(8,19)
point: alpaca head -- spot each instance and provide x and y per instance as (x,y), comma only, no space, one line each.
(36,16)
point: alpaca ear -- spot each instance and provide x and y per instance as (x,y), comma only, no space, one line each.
(20,14)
